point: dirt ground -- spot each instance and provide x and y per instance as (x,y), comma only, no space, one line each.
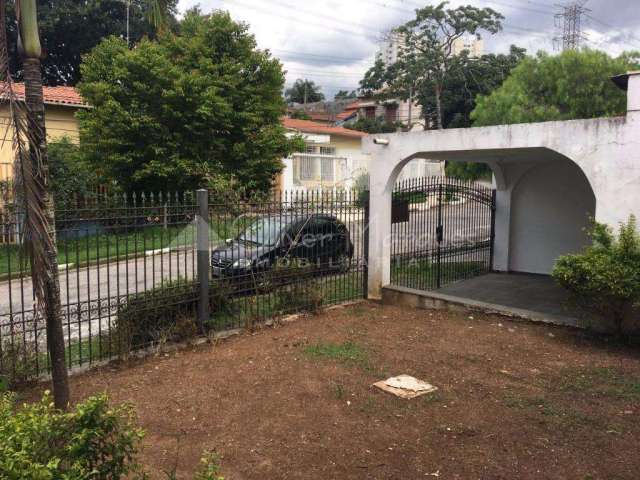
(295,401)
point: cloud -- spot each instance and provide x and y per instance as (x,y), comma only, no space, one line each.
(333,42)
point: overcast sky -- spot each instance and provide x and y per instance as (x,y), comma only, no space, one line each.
(333,42)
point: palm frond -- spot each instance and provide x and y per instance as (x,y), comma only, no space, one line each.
(158,14)
(29,183)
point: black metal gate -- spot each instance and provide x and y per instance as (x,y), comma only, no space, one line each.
(442,231)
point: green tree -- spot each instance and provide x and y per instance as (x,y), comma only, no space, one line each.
(304,91)
(70,174)
(426,62)
(471,78)
(174,113)
(574,84)
(345,94)
(475,77)
(70,29)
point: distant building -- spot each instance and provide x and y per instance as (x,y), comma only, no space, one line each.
(61,104)
(332,158)
(472,43)
(393,110)
(390,48)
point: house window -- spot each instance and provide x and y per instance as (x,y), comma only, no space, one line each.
(327,169)
(327,150)
(391,113)
(370,112)
(310,148)
(307,170)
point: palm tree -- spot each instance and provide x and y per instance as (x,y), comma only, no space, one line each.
(157,13)
(29,131)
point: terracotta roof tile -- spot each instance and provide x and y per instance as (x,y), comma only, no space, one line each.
(308,126)
(55,95)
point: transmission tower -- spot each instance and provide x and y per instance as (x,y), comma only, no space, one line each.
(569,25)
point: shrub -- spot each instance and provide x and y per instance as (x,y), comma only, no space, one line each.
(18,363)
(95,440)
(209,468)
(165,313)
(605,277)
(305,294)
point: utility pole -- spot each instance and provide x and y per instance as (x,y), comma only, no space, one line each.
(569,25)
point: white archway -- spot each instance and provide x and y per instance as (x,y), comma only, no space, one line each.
(603,154)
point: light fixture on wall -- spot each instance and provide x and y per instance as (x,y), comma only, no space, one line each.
(381,141)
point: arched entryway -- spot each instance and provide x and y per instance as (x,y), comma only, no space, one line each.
(442,231)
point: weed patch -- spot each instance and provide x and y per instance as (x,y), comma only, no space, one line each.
(347,353)
(603,381)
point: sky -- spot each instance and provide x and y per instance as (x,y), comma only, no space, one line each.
(333,42)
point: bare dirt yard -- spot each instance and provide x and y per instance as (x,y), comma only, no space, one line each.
(515,400)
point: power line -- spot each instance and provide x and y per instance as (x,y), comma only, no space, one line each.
(569,25)
(315,55)
(608,25)
(297,20)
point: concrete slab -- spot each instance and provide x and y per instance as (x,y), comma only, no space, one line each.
(537,293)
(531,297)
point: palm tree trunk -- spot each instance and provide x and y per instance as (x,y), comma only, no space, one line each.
(41,211)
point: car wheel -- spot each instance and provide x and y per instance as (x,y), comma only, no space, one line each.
(343,262)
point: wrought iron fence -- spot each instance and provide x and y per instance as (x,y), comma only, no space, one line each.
(442,232)
(135,269)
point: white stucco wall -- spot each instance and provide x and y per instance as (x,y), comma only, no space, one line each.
(606,150)
(551,206)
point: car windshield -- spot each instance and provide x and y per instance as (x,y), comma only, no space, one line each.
(264,231)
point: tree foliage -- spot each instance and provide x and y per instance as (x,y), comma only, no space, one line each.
(574,84)
(300,114)
(70,174)
(172,114)
(345,94)
(69,29)
(605,277)
(426,62)
(375,125)
(471,77)
(304,91)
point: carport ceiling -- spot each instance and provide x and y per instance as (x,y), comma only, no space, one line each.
(505,155)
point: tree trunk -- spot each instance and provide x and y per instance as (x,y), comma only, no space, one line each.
(51,286)
(409,122)
(438,94)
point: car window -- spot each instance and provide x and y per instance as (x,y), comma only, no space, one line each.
(264,231)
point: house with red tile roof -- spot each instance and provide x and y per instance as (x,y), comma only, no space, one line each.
(332,157)
(61,104)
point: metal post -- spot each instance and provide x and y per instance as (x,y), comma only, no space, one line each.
(493,230)
(202,244)
(365,252)
(439,236)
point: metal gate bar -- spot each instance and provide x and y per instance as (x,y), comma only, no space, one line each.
(444,232)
